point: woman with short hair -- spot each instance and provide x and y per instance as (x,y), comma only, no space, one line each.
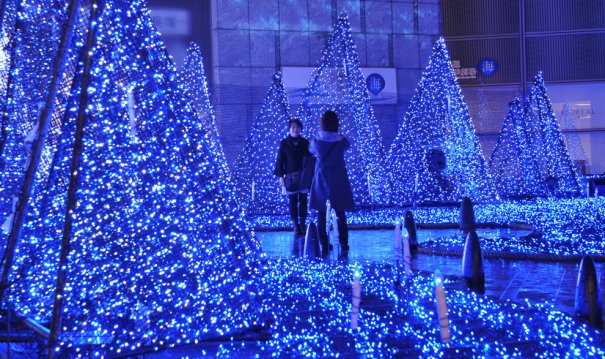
(290,157)
(331,180)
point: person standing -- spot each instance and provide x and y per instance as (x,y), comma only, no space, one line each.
(331,180)
(290,157)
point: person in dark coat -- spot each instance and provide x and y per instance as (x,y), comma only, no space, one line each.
(292,151)
(331,180)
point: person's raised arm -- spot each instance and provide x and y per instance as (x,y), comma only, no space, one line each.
(313,147)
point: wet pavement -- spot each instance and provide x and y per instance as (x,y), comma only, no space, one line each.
(545,282)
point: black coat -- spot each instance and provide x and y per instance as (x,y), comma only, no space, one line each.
(331,179)
(290,155)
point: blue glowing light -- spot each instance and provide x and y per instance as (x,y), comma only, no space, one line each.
(436,155)
(339,85)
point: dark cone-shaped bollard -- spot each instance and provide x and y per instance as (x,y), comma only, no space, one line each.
(311,248)
(472,264)
(467,216)
(588,300)
(410,225)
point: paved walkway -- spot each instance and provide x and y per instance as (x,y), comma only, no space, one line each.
(540,282)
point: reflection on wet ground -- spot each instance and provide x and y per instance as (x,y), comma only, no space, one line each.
(542,282)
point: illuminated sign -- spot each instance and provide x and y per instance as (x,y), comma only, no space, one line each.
(488,66)
(463,73)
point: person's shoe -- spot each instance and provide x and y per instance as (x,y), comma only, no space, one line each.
(344,255)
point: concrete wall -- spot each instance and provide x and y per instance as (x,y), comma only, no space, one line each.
(245,41)
(251,39)
(561,38)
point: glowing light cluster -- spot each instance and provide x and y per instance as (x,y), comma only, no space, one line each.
(436,155)
(195,85)
(310,304)
(530,158)
(556,169)
(30,48)
(338,84)
(563,227)
(514,164)
(160,254)
(256,185)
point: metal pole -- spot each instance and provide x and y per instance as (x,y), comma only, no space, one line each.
(45,118)
(55,324)
(37,327)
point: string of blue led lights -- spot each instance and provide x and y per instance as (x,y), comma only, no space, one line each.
(338,84)
(161,254)
(256,185)
(514,165)
(436,156)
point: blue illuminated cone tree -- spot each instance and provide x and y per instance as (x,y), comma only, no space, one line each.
(338,84)
(154,250)
(513,164)
(30,49)
(8,17)
(556,167)
(257,186)
(436,155)
(195,83)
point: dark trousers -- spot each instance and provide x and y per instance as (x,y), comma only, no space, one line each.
(298,207)
(343,229)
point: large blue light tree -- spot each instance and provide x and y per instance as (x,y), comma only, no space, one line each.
(256,185)
(154,250)
(338,84)
(546,138)
(7,23)
(513,164)
(436,155)
(195,82)
(30,49)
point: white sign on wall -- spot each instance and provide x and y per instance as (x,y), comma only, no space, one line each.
(381,83)
(585,100)
(172,21)
(582,112)
(464,73)
(587,105)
